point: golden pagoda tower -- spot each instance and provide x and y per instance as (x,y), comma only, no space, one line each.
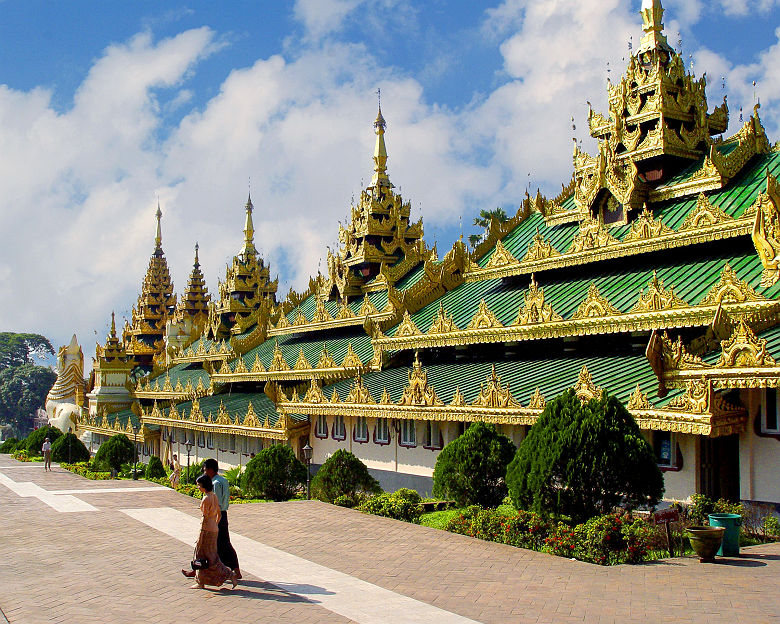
(112,367)
(192,311)
(246,287)
(380,230)
(144,336)
(657,125)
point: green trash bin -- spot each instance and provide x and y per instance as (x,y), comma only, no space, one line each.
(731,522)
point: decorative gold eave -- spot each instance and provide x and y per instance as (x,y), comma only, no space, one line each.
(691,316)
(330,374)
(284,429)
(327,325)
(101,427)
(619,249)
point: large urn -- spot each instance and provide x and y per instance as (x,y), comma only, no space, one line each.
(705,541)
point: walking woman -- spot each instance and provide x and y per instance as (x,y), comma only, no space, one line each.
(216,572)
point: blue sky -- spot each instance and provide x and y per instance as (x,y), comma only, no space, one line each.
(104,106)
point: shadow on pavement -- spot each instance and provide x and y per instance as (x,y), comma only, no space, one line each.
(263,590)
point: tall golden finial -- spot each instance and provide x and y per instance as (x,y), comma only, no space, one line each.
(113,325)
(158,236)
(380,151)
(249,230)
(654,39)
(197,262)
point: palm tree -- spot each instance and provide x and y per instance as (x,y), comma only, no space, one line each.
(483,221)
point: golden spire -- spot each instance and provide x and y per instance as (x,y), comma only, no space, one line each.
(197,262)
(380,151)
(654,39)
(249,230)
(113,325)
(158,237)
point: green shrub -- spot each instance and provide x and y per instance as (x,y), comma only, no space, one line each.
(342,474)
(77,453)
(189,475)
(87,470)
(771,526)
(155,469)
(9,445)
(114,452)
(233,476)
(563,541)
(401,505)
(582,460)
(21,455)
(526,530)
(344,501)
(275,473)
(35,439)
(472,468)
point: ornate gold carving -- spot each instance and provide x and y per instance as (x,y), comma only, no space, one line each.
(321,314)
(240,366)
(443,323)
(501,257)
(766,230)
(730,289)
(257,366)
(250,419)
(314,394)
(407,327)
(639,401)
(385,400)
(585,389)
(417,391)
(367,307)
(696,398)
(744,350)
(595,305)
(484,318)
(458,400)
(351,359)
(492,394)
(326,360)
(359,393)
(657,298)
(345,312)
(704,215)
(537,402)
(534,309)
(302,363)
(300,319)
(591,235)
(539,249)
(278,363)
(645,227)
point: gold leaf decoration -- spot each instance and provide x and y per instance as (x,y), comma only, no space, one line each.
(539,249)
(534,309)
(595,305)
(300,319)
(258,367)
(696,399)
(591,235)
(639,401)
(367,307)
(302,363)
(645,227)
(500,258)
(240,366)
(351,359)
(250,419)
(417,391)
(443,323)
(585,389)
(321,314)
(492,394)
(345,312)
(730,289)
(359,393)
(326,361)
(314,394)
(703,215)
(407,327)
(537,401)
(278,363)
(743,349)
(484,318)
(458,400)
(657,298)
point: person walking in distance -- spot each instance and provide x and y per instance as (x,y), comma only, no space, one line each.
(46,450)
(227,553)
(176,472)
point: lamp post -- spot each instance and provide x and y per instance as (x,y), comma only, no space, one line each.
(188,444)
(135,453)
(70,430)
(307,452)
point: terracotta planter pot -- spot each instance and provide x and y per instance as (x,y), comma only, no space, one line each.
(705,541)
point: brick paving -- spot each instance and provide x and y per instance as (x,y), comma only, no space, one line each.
(104,566)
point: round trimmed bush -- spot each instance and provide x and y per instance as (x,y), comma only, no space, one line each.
(471,469)
(9,445)
(155,469)
(342,474)
(35,439)
(584,459)
(114,452)
(78,452)
(275,473)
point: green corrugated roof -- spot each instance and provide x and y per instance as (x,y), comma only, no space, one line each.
(309,305)
(236,404)
(122,416)
(312,343)
(690,279)
(619,375)
(411,278)
(739,194)
(184,372)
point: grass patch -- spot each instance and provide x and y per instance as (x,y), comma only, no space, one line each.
(438,519)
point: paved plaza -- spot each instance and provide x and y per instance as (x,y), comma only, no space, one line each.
(81,551)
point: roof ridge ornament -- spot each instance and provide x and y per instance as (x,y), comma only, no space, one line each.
(158,234)
(380,178)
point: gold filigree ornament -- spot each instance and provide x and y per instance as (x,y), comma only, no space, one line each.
(326,360)
(585,389)
(240,366)
(591,235)
(417,391)
(730,289)
(657,297)
(351,359)
(595,305)
(315,394)
(646,226)
(501,257)
(537,402)
(539,249)
(321,314)
(302,363)
(704,215)
(443,323)
(744,349)
(458,400)
(407,327)
(257,366)
(484,318)
(250,419)
(534,309)
(359,394)
(766,231)
(696,400)
(278,363)
(638,401)
(493,394)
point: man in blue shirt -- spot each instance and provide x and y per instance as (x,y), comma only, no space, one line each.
(225,550)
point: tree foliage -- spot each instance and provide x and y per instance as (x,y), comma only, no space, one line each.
(9,445)
(114,452)
(483,220)
(155,469)
(23,390)
(342,474)
(19,349)
(275,473)
(472,468)
(582,460)
(35,440)
(77,452)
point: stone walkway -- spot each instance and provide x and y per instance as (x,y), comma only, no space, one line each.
(92,551)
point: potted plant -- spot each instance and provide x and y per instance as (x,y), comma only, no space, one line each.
(705,541)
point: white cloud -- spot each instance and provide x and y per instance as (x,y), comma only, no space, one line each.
(321,17)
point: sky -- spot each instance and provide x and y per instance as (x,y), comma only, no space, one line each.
(108,107)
